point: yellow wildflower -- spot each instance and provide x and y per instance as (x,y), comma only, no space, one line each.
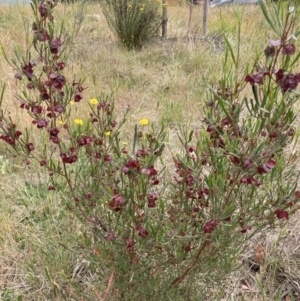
(78,121)
(94,101)
(144,121)
(61,122)
(124,143)
(71,102)
(107,133)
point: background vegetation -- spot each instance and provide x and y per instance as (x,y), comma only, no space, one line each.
(168,80)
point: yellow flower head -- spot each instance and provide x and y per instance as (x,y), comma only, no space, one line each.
(71,102)
(78,121)
(107,133)
(94,101)
(124,143)
(144,121)
(61,122)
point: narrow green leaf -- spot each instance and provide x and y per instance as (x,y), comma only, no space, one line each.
(295,59)
(135,138)
(4,53)
(265,12)
(254,90)
(263,110)
(250,109)
(190,136)
(230,50)
(221,103)
(2,94)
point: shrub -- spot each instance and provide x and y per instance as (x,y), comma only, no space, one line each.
(160,233)
(133,21)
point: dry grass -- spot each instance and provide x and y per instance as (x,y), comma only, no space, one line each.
(166,80)
(171,74)
(270,268)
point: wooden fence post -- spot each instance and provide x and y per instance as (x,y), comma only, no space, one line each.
(205,17)
(164,33)
(190,20)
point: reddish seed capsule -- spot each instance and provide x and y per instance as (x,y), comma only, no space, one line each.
(210,226)
(30,147)
(282,214)
(288,49)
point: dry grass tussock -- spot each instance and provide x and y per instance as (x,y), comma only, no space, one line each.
(166,80)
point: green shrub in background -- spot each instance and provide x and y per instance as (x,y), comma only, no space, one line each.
(133,21)
(154,231)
